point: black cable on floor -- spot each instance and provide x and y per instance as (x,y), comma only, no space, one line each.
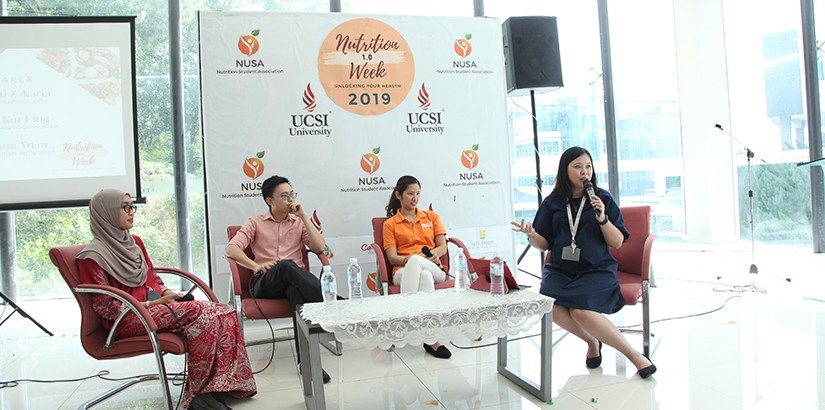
(495,343)
(101,375)
(15,383)
(271,330)
(685,316)
(618,327)
(184,373)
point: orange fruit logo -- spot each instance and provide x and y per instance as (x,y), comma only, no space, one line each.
(372,281)
(370,162)
(462,46)
(253,167)
(249,44)
(469,158)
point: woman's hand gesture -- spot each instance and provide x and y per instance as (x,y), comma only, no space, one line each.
(525,227)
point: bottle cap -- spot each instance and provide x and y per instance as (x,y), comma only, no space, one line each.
(353,260)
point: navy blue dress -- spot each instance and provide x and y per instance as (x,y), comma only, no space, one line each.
(590,283)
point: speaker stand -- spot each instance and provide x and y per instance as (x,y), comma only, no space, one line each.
(8,302)
(538,174)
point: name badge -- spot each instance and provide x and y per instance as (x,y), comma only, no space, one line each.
(427,225)
(570,253)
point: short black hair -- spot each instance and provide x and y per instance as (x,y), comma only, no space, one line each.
(269,185)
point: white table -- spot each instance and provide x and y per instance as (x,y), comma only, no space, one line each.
(426,317)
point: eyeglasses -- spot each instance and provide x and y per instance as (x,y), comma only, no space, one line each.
(128,208)
(286,195)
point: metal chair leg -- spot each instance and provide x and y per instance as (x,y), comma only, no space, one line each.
(646,317)
(161,376)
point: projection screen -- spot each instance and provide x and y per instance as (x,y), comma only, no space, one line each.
(68,115)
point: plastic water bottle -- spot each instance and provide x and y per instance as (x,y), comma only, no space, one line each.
(496,277)
(462,274)
(354,281)
(328,286)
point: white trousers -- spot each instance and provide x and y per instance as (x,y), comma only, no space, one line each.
(418,275)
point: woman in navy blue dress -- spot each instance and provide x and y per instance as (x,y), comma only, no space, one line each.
(581,274)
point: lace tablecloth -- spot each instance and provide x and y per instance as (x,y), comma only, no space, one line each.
(426,317)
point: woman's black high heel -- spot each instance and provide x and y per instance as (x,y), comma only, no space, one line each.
(647,371)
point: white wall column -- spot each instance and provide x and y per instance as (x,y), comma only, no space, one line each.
(709,185)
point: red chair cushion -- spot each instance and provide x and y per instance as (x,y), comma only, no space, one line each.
(272,308)
(631,287)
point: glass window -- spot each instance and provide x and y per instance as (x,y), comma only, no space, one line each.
(410,8)
(550,148)
(568,116)
(155,221)
(647,111)
(525,150)
(768,115)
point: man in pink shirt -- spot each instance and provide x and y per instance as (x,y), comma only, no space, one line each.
(277,238)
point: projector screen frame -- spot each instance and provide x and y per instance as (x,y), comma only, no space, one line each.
(131,173)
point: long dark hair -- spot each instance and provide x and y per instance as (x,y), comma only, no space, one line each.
(400,187)
(562,186)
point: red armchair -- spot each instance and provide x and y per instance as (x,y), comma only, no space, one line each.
(255,308)
(634,264)
(100,343)
(385,268)
(634,269)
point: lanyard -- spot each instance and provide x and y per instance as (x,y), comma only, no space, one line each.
(574,226)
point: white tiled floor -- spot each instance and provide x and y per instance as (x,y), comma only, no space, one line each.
(754,351)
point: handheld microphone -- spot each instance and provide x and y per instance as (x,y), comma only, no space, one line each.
(588,186)
(428,253)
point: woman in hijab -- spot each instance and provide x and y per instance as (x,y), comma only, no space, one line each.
(217,361)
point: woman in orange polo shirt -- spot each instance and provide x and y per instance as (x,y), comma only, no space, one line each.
(406,232)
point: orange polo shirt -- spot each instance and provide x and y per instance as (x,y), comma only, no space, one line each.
(408,238)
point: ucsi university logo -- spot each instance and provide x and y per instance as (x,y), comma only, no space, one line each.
(316,221)
(370,164)
(248,45)
(463,48)
(470,159)
(253,167)
(311,123)
(424,120)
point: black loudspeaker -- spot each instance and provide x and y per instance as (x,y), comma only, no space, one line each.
(531,53)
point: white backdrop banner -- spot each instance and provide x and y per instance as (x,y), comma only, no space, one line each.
(343,105)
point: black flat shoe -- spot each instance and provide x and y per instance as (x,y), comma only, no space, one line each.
(206,401)
(594,362)
(219,396)
(442,352)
